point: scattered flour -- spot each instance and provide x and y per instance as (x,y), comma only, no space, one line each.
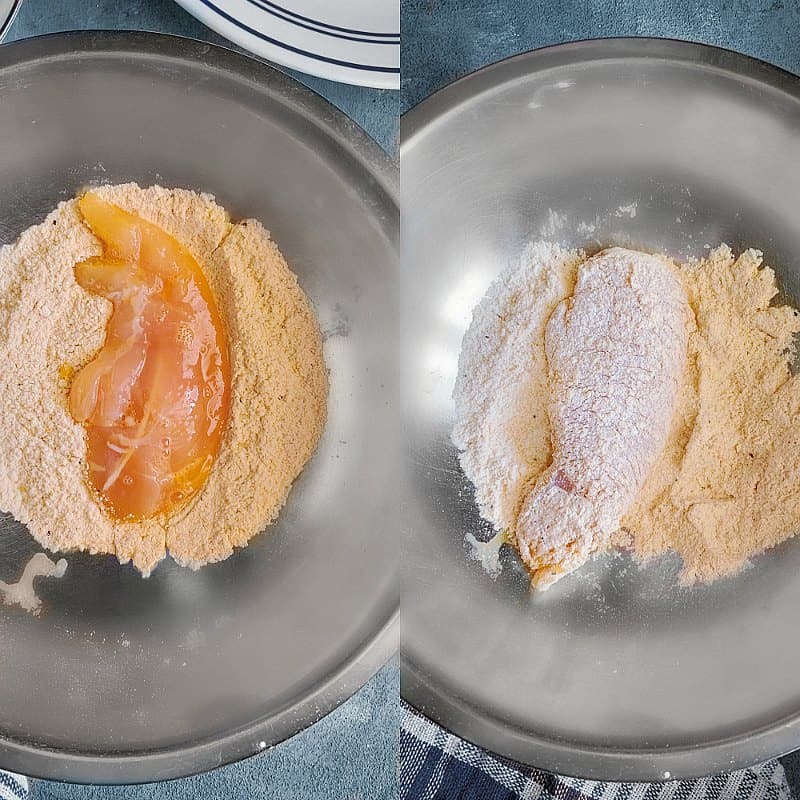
(627,211)
(487,554)
(22,593)
(555,222)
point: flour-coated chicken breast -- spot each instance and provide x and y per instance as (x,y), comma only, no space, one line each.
(616,352)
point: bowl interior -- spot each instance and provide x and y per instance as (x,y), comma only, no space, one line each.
(616,672)
(254,648)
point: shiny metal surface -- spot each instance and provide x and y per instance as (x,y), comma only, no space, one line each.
(125,679)
(616,672)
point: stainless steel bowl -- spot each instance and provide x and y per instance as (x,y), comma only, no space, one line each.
(616,672)
(126,679)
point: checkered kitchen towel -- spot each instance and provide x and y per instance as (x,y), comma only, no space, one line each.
(13,787)
(435,765)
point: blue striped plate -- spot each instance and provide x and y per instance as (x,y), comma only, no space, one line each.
(351,41)
(8,10)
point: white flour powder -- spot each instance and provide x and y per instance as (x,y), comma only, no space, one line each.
(501,390)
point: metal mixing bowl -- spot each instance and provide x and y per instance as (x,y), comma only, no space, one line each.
(615,672)
(125,679)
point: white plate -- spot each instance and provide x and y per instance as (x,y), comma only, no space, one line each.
(8,10)
(351,41)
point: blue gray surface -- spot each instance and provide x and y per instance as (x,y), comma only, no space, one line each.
(445,39)
(350,754)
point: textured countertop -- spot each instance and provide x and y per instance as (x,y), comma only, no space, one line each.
(350,754)
(445,39)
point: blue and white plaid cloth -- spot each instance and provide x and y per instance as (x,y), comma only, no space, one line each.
(436,765)
(13,787)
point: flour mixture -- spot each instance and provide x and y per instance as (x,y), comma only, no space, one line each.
(700,455)
(53,327)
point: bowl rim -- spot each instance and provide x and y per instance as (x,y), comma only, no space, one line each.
(429,110)
(454,713)
(376,649)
